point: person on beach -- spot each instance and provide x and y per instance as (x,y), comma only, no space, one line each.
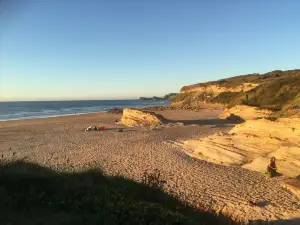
(272,167)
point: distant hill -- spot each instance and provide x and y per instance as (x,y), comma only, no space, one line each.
(277,90)
(169,96)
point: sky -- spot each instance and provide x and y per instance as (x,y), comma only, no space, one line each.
(122,49)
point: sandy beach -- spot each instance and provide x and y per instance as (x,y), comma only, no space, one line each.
(61,144)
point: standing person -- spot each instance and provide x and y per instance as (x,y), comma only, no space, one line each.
(272,167)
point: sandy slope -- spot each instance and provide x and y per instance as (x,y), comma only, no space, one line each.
(60,143)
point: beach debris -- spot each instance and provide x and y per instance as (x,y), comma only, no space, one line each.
(95,128)
(90,128)
(120,130)
(135,117)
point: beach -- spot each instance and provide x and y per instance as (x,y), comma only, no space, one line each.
(61,144)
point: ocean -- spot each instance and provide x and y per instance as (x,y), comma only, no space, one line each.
(43,109)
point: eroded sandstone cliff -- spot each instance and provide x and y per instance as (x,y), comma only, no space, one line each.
(277,91)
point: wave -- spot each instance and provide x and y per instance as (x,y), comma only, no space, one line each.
(29,110)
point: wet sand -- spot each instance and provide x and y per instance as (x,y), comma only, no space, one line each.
(61,144)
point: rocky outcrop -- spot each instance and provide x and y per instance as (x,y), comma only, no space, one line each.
(285,129)
(135,117)
(170,96)
(246,112)
(215,90)
(252,144)
(293,186)
(277,91)
(209,94)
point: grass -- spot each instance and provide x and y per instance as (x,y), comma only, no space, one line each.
(31,194)
(277,90)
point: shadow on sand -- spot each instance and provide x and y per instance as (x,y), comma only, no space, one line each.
(216,122)
(32,194)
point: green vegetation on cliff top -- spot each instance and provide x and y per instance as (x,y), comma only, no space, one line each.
(277,90)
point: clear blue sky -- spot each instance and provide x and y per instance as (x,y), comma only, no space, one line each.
(89,49)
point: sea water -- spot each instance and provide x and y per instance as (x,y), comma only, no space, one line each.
(43,109)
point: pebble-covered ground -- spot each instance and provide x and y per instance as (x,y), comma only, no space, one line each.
(61,144)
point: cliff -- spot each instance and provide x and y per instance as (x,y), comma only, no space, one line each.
(277,91)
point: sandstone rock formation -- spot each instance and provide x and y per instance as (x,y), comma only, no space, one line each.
(135,117)
(246,112)
(284,129)
(252,144)
(293,186)
(276,90)
(217,89)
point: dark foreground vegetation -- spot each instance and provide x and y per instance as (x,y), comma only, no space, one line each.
(31,194)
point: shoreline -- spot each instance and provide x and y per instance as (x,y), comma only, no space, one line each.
(54,116)
(9,112)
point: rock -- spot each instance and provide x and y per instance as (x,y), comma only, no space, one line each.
(293,185)
(283,129)
(135,117)
(252,144)
(115,111)
(246,112)
(234,118)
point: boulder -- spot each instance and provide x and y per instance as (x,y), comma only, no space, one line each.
(135,117)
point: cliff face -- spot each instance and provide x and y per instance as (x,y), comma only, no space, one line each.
(216,89)
(276,90)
